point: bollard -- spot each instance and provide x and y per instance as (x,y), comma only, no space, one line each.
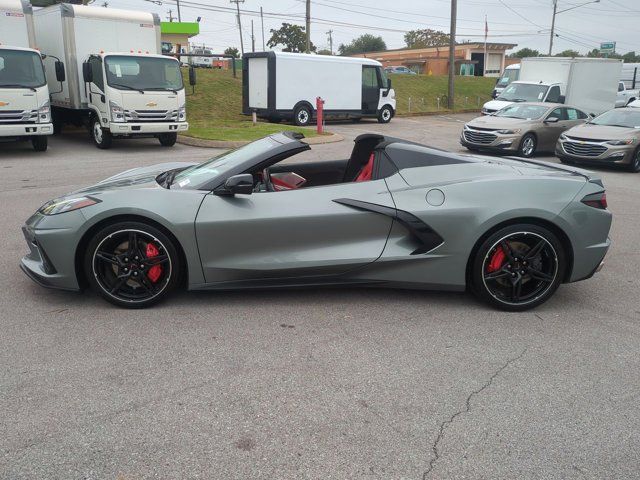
(409,104)
(254,117)
(438,100)
(320,115)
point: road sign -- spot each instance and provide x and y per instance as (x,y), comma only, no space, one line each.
(608,47)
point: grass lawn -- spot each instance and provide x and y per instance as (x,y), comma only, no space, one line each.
(214,110)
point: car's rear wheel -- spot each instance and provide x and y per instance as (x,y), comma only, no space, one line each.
(634,165)
(132,264)
(518,267)
(528,146)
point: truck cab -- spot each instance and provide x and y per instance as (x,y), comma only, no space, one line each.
(521,91)
(625,96)
(510,74)
(134,95)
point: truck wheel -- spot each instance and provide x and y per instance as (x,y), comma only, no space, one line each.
(528,146)
(385,114)
(39,143)
(168,139)
(101,137)
(302,116)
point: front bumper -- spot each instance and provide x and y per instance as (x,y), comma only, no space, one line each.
(18,130)
(499,143)
(588,152)
(147,128)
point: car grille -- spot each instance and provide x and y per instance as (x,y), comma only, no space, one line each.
(583,149)
(151,115)
(482,138)
(18,116)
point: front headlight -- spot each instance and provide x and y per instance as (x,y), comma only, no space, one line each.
(44,113)
(628,141)
(182,114)
(563,136)
(508,132)
(57,206)
(117,114)
(484,111)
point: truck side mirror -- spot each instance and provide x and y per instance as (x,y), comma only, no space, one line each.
(192,76)
(561,99)
(389,83)
(60,73)
(87,73)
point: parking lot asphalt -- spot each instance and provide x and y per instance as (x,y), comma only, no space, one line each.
(325,383)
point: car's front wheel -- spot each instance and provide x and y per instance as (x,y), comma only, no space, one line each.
(101,137)
(518,267)
(634,165)
(39,143)
(132,264)
(528,146)
(168,139)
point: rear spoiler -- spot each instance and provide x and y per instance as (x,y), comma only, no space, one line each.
(589,176)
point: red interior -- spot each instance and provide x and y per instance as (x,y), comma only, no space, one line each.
(367,171)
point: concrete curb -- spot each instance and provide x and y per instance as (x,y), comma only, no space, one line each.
(200,142)
(438,112)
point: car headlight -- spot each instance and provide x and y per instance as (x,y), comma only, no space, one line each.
(465,127)
(44,113)
(563,136)
(117,114)
(484,110)
(182,113)
(508,132)
(57,206)
(628,141)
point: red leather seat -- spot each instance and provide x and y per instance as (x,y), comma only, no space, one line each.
(367,171)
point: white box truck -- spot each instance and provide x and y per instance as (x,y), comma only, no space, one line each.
(117,82)
(284,86)
(589,84)
(24,94)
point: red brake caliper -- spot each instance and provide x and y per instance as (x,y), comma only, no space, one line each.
(497,260)
(155,271)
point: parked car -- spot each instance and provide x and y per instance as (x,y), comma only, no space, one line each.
(394,213)
(626,95)
(511,74)
(400,70)
(524,128)
(612,138)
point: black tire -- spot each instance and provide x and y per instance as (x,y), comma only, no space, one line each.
(528,145)
(528,271)
(131,282)
(302,116)
(101,138)
(385,114)
(39,143)
(634,165)
(168,139)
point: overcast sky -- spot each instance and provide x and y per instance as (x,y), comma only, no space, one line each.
(524,22)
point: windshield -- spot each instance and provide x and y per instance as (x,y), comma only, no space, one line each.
(523,92)
(19,68)
(524,112)
(508,76)
(143,73)
(618,118)
(194,177)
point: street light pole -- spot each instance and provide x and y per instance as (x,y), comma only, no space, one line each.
(308,21)
(556,12)
(452,54)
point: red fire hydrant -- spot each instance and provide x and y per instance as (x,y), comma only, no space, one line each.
(320,114)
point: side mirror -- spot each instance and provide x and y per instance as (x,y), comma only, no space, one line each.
(242,183)
(561,99)
(192,76)
(389,83)
(552,120)
(60,73)
(87,72)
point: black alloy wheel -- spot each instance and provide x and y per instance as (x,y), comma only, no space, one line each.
(634,166)
(132,264)
(519,267)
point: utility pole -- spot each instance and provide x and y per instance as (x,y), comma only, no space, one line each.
(308,18)
(452,53)
(253,39)
(238,2)
(330,33)
(170,12)
(178,5)
(553,25)
(262,22)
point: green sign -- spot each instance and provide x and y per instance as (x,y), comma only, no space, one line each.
(608,47)
(180,28)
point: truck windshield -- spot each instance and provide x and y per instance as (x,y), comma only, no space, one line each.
(20,68)
(508,76)
(627,118)
(524,92)
(143,73)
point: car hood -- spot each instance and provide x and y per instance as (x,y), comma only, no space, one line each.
(603,132)
(498,123)
(496,105)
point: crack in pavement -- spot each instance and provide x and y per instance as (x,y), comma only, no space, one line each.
(467,409)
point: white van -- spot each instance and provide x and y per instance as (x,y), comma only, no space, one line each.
(278,85)
(511,74)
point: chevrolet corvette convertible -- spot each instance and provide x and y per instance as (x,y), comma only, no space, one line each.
(394,214)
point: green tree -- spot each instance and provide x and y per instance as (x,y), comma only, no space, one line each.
(426,38)
(232,51)
(568,53)
(363,44)
(292,37)
(525,52)
(631,57)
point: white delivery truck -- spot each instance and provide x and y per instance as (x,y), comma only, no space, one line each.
(510,74)
(279,85)
(589,84)
(24,94)
(117,81)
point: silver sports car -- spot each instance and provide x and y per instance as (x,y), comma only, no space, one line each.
(394,214)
